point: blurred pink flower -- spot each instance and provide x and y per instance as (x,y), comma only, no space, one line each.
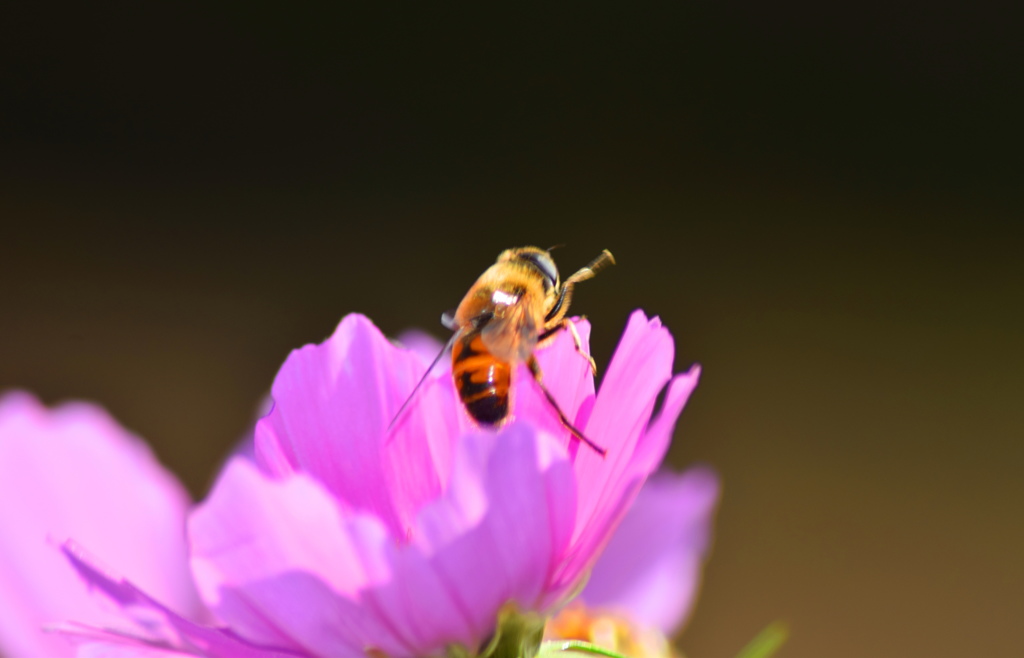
(650,570)
(642,588)
(343,537)
(73,472)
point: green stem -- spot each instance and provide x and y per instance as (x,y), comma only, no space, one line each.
(580,646)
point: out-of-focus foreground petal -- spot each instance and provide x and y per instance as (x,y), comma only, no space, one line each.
(333,407)
(336,583)
(160,631)
(651,568)
(74,472)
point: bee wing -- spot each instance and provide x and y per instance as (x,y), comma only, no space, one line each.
(513,335)
(444,350)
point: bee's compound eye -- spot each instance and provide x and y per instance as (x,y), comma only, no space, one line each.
(543,263)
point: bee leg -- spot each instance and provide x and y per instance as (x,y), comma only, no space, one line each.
(566,323)
(537,377)
(561,305)
(579,345)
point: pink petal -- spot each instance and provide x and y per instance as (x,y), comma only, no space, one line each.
(567,374)
(651,567)
(161,629)
(652,447)
(73,472)
(110,649)
(640,368)
(333,405)
(283,564)
(650,450)
(276,559)
(498,533)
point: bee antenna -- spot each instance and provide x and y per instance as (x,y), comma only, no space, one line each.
(557,246)
(419,385)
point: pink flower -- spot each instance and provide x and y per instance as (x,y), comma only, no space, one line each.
(343,537)
(73,472)
(650,570)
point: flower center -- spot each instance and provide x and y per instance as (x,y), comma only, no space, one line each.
(609,631)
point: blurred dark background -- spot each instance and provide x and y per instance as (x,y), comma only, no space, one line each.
(822,201)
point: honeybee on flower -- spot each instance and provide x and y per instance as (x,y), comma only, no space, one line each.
(516,306)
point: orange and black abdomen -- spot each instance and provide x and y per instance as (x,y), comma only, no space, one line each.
(483,381)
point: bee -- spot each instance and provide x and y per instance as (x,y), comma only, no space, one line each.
(517,305)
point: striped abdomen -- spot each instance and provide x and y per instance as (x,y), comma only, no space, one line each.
(483,381)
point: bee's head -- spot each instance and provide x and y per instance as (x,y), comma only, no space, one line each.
(538,258)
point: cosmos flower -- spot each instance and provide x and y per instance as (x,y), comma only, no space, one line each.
(345,537)
(73,472)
